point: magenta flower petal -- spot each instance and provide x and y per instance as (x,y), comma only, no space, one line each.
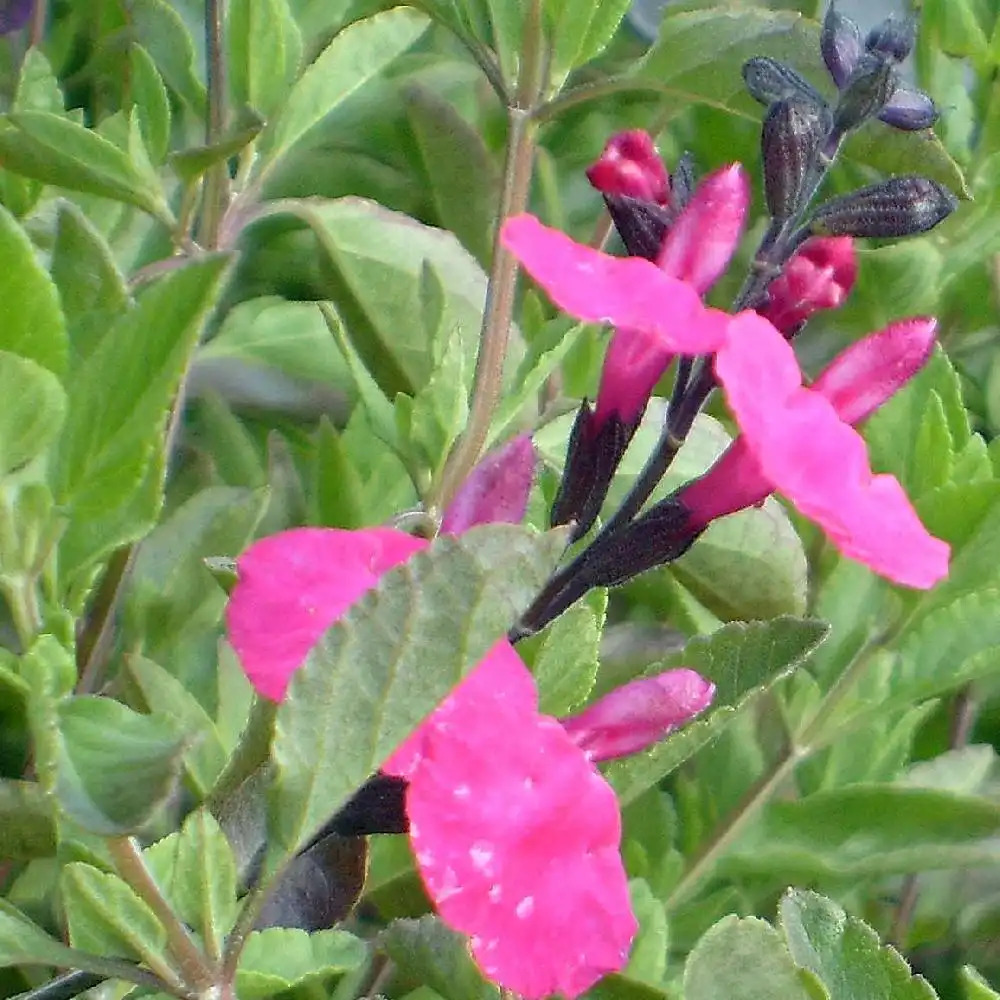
(633,365)
(866,375)
(516,836)
(819,462)
(733,483)
(630,166)
(496,490)
(635,716)
(294,585)
(699,245)
(622,291)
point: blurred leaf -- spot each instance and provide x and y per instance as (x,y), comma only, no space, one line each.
(376,276)
(461,176)
(976,987)
(37,86)
(426,951)
(868,830)
(190,163)
(698,58)
(106,917)
(893,433)
(161,31)
(278,959)
(743,959)
(33,414)
(264,51)
(273,333)
(33,325)
(934,454)
(405,644)
(742,660)
(58,151)
(105,453)
(23,943)
(92,289)
(565,666)
(163,693)
(95,737)
(235,452)
(581,29)
(197,874)
(648,959)
(358,53)
(149,96)
(170,590)
(27,824)
(844,953)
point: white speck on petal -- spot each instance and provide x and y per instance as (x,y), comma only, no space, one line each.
(461,791)
(525,908)
(481,855)
(495,893)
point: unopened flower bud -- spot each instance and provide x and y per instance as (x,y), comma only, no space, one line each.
(497,489)
(633,717)
(630,165)
(819,276)
(900,206)
(592,457)
(866,93)
(840,43)
(892,39)
(768,81)
(790,139)
(642,225)
(682,182)
(909,109)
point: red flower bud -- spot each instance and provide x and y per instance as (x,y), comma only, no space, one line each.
(631,166)
(820,276)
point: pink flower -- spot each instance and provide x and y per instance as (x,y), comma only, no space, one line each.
(819,276)
(624,291)
(497,489)
(639,714)
(515,833)
(630,166)
(799,441)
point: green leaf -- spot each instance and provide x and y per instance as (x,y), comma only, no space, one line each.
(742,660)
(461,176)
(265,48)
(106,917)
(196,871)
(934,453)
(33,414)
(426,951)
(581,30)
(149,96)
(162,692)
(55,150)
(280,958)
(390,660)
(95,736)
(648,959)
(37,86)
(975,986)
(844,953)
(272,333)
(547,353)
(171,593)
(868,830)
(357,54)
(33,325)
(23,943)
(113,431)
(190,163)
(698,58)
(743,959)
(92,289)
(27,823)
(565,668)
(376,278)
(161,31)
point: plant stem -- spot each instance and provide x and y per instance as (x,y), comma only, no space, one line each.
(216,191)
(39,19)
(499,306)
(193,965)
